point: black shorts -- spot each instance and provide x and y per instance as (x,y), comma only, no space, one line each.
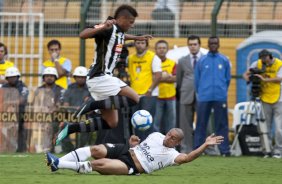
(121,152)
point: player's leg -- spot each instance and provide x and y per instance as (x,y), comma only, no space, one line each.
(109,166)
(84,153)
(102,166)
(106,156)
(130,93)
(78,155)
(113,102)
(110,116)
(55,163)
(90,125)
(76,160)
(110,93)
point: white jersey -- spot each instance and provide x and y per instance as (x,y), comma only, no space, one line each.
(153,155)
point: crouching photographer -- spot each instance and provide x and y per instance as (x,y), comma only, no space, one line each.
(265,76)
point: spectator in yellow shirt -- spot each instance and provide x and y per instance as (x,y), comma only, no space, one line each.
(4,64)
(62,64)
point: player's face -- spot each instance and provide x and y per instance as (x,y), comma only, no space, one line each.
(171,139)
(140,46)
(161,50)
(194,46)
(2,53)
(126,22)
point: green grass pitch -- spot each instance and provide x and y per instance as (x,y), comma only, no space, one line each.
(31,168)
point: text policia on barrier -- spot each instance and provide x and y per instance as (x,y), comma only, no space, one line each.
(40,117)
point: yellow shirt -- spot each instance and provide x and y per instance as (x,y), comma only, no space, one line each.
(140,71)
(167,90)
(62,81)
(4,66)
(270,91)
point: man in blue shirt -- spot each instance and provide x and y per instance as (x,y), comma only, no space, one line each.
(212,79)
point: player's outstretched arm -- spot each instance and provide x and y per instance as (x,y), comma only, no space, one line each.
(90,32)
(139,38)
(211,140)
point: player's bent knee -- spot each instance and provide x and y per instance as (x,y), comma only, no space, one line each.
(98,151)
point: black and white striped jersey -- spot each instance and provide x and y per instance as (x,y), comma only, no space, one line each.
(109,45)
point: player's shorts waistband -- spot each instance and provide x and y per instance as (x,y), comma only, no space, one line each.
(100,74)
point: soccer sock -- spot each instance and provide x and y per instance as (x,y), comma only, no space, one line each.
(90,125)
(79,155)
(68,165)
(113,102)
(81,167)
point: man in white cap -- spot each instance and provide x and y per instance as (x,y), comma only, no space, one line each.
(12,76)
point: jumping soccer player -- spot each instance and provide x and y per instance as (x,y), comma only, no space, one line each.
(109,93)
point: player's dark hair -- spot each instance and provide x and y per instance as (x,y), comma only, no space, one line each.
(5,48)
(161,41)
(125,10)
(194,37)
(53,42)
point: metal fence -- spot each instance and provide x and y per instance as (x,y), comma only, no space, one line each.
(22,33)
(163,18)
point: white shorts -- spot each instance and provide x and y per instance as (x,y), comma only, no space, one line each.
(104,86)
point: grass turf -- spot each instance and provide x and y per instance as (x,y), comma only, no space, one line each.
(31,168)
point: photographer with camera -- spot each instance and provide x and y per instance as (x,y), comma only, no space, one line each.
(265,76)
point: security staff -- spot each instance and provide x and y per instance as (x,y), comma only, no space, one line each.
(12,75)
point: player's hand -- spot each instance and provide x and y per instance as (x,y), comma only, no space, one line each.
(143,37)
(134,140)
(214,140)
(109,23)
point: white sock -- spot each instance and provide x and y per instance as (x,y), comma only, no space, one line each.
(82,154)
(68,165)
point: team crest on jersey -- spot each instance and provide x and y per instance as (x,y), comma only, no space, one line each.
(118,48)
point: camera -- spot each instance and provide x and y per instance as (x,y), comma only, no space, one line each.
(255,81)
